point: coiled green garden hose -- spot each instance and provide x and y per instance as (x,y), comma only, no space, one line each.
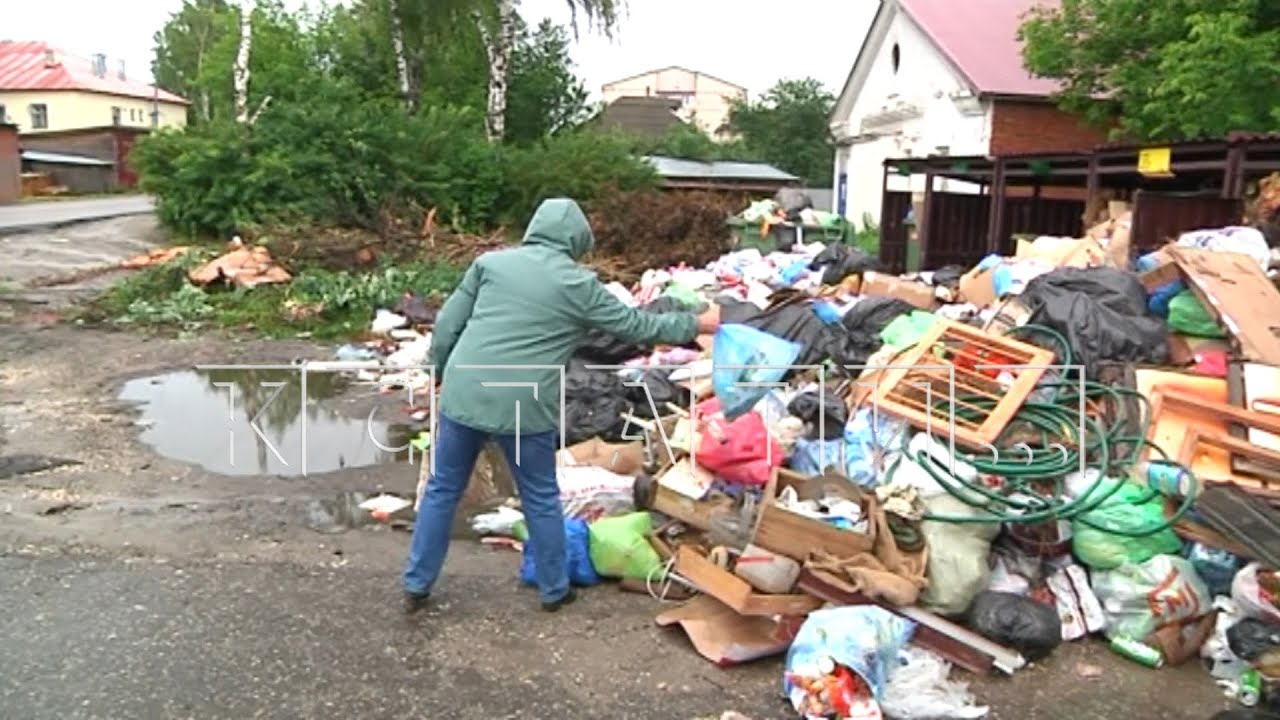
(1023,497)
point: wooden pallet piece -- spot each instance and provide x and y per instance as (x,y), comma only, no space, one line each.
(893,390)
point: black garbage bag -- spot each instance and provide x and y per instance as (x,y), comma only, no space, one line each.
(810,406)
(604,349)
(660,390)
(796,322)
(415,309)
(1251,638)
(1246,714)
(840,261)
(948,277)
(1021,623)
(857,336)
(594,403)
(1101,312)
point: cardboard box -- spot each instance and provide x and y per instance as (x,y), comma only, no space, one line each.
(735,592)
(791,534)
(978,287)
(918,294)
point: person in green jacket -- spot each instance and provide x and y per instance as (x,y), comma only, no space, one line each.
(499,347)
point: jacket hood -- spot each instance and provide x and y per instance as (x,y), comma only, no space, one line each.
(559,223)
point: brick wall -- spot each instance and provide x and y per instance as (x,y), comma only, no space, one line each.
(10,165)
(1019,126)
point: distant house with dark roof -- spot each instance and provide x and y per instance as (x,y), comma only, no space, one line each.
(43,89)
(701,99)
(641,116)
(937,77)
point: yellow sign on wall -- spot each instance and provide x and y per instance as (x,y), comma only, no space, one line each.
(1155,161)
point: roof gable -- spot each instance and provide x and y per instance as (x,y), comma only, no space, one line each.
(24,66)
(675,67)
(986,55)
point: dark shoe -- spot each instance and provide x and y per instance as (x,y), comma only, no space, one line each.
(413,602)
(555,605)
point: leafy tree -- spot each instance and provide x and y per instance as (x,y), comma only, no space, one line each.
(193,55)
(545,96)
(689,142)
(1167,69)
(789,127)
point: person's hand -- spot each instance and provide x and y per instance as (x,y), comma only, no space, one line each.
(709,320)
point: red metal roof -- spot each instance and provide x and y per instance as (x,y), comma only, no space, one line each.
(980,37)
(24,66)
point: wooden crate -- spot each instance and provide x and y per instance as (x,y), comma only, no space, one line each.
(736,592)
(696,514)
(918,387)
(787,533)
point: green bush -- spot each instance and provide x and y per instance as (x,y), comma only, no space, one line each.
(347,163)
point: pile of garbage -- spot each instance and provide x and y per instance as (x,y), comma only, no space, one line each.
(884,477)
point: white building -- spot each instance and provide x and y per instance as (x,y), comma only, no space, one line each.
(941,77)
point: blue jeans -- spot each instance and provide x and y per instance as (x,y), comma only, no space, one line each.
(534,466)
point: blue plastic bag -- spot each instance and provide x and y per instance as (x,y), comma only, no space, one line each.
(864,638)
(736,353)
(856,449)
(581,572)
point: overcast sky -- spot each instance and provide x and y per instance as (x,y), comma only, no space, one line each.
(750,42)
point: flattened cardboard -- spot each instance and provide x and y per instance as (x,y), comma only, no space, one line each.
(726,638)
(1239,294)
(918,294)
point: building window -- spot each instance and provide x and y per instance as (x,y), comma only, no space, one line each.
(896,56)
(39,116)
(117,116)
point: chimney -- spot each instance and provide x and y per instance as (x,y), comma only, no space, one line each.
(50,58)
(120,69)
(100,65)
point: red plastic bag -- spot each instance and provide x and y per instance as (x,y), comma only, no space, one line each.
(741,451)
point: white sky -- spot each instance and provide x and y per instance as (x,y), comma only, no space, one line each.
(750,42)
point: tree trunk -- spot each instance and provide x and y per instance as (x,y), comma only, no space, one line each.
(499,46)
(402,60)
(240,72)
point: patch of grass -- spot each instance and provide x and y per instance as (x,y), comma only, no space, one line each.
(318,303)
(867,238)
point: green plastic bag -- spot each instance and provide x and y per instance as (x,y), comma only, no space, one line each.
(1122,510)
(619,547)
(906,330)
(686,296)
(1188,316)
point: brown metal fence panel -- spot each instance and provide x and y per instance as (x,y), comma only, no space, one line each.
(1161,217)
(957,230)
(893,231)
(1040,216)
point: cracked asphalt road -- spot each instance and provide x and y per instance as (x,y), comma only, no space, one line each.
(137,586)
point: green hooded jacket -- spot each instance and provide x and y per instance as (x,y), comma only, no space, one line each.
(503,338)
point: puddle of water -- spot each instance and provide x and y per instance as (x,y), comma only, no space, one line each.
(204,417)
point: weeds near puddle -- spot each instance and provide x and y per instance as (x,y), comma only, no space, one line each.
(317,303)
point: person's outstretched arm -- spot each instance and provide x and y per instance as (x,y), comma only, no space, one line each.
(453,318)
(605,312)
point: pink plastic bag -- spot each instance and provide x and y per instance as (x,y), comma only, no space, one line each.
(741,451)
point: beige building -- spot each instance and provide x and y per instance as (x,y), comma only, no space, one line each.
(43,90)
(704,99)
